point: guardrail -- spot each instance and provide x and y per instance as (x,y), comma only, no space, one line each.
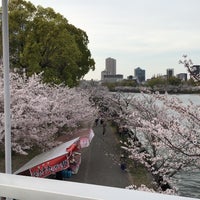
(30,188)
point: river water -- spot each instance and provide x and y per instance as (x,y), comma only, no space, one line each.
(189,182)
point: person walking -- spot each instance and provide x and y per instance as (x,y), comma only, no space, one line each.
(96,121)
(104,128)
(101,121)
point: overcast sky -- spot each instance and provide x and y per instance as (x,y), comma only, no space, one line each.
(151,34)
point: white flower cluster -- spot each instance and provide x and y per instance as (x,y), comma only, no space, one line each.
(39,111)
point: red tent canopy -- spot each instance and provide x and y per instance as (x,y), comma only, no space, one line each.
(56,159)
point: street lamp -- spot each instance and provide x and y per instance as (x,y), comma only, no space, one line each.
(5,39)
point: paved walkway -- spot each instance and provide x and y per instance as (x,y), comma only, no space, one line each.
(100,161)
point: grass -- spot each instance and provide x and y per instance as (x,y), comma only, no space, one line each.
(139,174)
(17,160)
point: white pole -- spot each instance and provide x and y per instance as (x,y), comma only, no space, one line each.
(5,38)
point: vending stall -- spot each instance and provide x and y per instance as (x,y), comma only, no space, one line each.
(66,156)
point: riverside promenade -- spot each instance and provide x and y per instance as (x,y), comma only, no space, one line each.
(101,161)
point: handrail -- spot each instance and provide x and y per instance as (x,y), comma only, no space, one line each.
(31,188)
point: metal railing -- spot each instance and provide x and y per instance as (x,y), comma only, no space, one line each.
(30,188)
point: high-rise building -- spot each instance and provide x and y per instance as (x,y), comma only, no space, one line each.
(170,73)
(182,76)
(109,74)
(196,69)
(110,66)
(139,74)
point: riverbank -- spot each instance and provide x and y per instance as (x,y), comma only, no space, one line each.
(139,174)
(161,89)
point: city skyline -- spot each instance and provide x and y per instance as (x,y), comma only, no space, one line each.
(111,68)
(151,34)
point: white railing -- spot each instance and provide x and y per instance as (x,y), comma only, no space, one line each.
(29,188)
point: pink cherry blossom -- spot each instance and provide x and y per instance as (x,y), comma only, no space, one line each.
(39,112)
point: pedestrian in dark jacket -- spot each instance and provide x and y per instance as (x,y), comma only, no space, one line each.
(96,121)
(101,121)
(104,128)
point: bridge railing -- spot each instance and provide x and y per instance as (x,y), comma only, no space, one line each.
(30,188)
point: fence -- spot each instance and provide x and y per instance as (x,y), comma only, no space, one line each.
(30,188)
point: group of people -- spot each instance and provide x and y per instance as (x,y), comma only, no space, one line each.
(62,175)
(99,121)
(67,173)
(102,123)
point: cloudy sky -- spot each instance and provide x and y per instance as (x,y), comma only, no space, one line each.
(151,34)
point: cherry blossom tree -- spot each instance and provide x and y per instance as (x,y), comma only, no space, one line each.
(165,132)
(40,111)
(111,106)
(168,136)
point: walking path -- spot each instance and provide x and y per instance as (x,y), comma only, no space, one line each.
(101,161)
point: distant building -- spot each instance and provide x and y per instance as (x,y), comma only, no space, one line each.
(110,66)
(196,69)
(109,74)
(182,76)
(170,73)
(139,74)
(130,77)
(103,73)
(113,78)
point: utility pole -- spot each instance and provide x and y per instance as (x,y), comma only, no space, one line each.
(5,39)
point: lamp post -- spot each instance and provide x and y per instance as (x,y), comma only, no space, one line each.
(5,39)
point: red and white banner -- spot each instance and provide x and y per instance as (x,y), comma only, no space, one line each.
(50,167)
(57,159)
(85,140)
